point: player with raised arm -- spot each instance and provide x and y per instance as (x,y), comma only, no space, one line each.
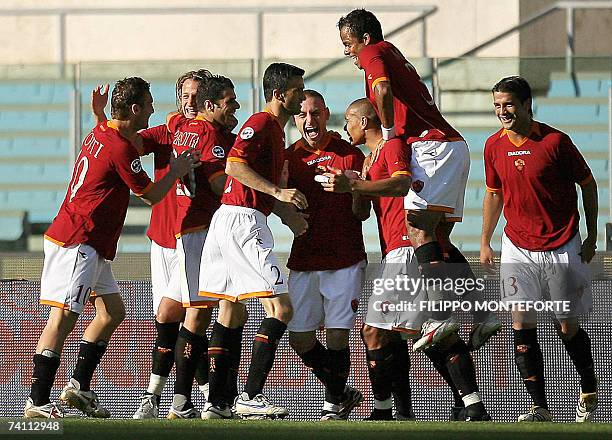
(81,241)
(165,274)
(531,172)
(328,262)
(237,261)
(386,178)
(439,166)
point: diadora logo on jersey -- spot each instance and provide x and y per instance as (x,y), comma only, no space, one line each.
(218,152)
(518,153)
(247,133)
(318,159)
(136,166)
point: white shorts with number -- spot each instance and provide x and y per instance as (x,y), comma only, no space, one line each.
(403,263)
(325,297)
(71,275)
(439,177)
(237,261)
(165,275)
(557,275)
(189,249)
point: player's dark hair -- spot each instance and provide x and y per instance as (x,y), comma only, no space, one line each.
(198,75)
(277,77)
(309,93)
(127,92)
(517,85)
(360,22)
(211,89)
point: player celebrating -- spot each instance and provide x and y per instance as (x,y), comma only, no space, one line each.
(197,200)
(531,172)
(81,241)
(439,164)
(327,263)
(388,179)
(237,261)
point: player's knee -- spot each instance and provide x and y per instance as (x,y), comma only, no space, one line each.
(337,338)
(371,336)
(170,311)
(284,313)
(302,342)
(61,322)
(566,330)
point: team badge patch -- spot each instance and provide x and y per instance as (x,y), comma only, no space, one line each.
(519,164)
(136,166)
(218,152)
(247,133)
(417,186)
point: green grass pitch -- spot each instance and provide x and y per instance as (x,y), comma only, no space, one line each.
(89,429)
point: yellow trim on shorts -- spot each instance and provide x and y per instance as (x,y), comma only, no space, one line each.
(401,173)
(262,294)
(201,304)
(438,208)
(454,219)
(54,241)
(55,304)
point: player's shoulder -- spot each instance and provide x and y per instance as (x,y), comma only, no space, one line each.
(175,120)
(375,49)
(255,125)
(494,138)
(550,135)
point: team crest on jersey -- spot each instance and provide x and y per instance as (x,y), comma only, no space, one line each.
(417,186)
(247,133)
(519,164)
(355,305)
(218,152)
(136,166)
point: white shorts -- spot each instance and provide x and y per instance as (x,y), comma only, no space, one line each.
(189,250)
(165,275)
(71,275)
(557,275)
(237,261)
(439,177)
(383,311)
(325,297)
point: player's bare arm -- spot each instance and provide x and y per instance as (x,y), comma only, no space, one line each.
(361,206)
(491,210)
(218,184)
(591,208)
(99,99)
(243,173)
(178,168)
(397,186)
(384,102)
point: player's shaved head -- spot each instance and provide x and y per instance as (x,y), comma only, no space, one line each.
(363,107)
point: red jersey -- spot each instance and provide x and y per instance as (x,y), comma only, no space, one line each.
(415,112)
(538,180)
(334,239)
(393,159)
(96,202)
(261,145)
(196,213)
(158,140)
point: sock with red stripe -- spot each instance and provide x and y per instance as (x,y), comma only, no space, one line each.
(219,361)
(266,342)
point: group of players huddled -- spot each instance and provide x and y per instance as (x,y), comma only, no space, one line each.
(211,246)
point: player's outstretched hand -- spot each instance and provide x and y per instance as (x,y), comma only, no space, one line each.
(293,196)
(297,223)
(185,162)
(338,181)
(99,99)
(588,249)
(487,260)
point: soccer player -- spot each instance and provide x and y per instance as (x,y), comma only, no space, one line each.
(197,200)
(328,262)
(531,173)
(237,261)
(439,165)
(387,171)
(81,241)
(165,274)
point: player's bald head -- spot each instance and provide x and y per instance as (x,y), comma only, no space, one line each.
(363,108)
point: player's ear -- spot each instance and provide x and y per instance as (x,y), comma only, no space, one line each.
(363,122)
(279,95)
(135,109)
(366,38)
(209,105)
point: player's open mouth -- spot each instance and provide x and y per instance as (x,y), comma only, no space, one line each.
(311,132)
(506,119)
(191,112)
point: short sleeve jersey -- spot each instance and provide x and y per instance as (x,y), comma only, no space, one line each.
(158,140)
(415,113)
(260,144)
(195,213)
(334,239)
(96,202)
(538,180)
(393,159)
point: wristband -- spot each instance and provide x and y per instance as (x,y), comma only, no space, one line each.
(388,133)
